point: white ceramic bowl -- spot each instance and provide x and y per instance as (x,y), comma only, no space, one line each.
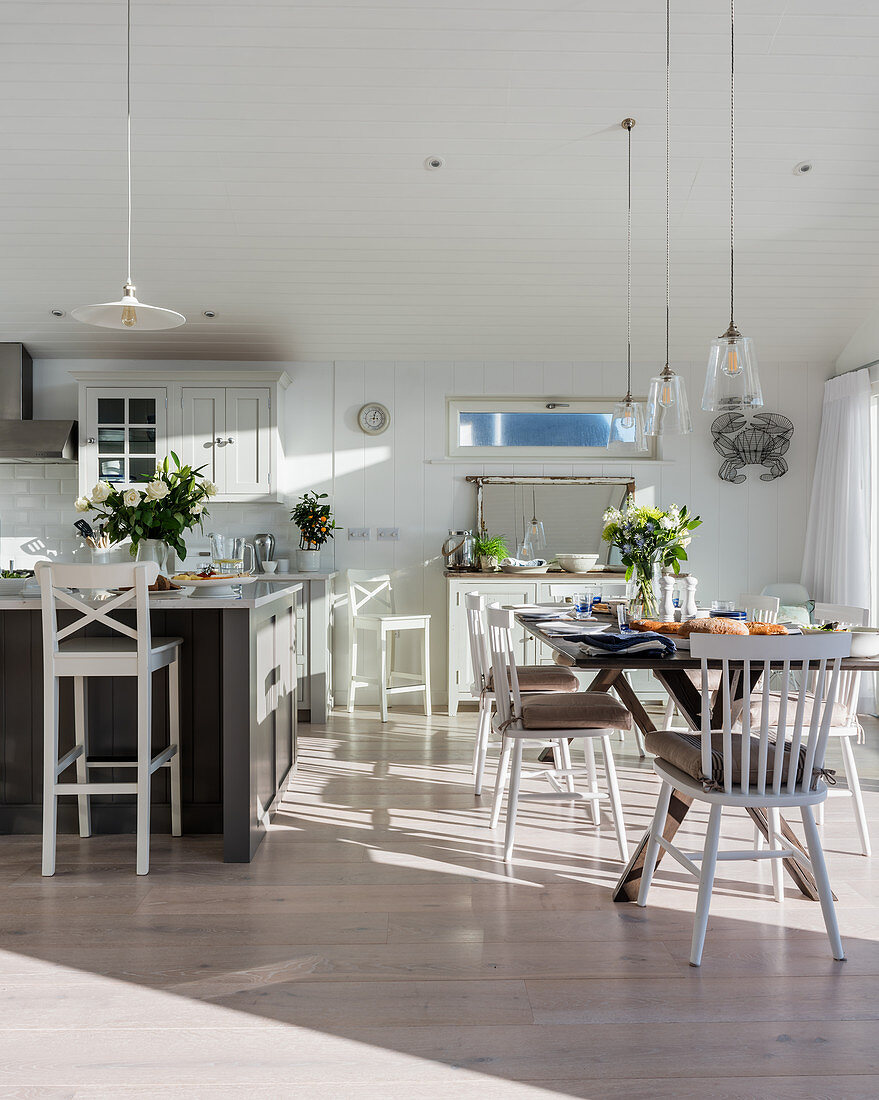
(865,641)
(11,586)
(577,563)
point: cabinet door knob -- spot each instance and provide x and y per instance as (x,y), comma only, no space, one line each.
(91,439)
(223,442)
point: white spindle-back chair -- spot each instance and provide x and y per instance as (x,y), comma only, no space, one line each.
(126,651)
(759,609)
(772,774)
(517,721)
(371,609)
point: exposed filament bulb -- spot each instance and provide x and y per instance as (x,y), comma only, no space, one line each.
(732,366)
(666,395)
(129,316)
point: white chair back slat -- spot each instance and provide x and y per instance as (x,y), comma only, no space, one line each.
(508,701)
(480,661)
(760,609)
(781,650)
(850,682)
(782,725)
(60,584)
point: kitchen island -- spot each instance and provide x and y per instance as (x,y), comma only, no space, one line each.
(238,716)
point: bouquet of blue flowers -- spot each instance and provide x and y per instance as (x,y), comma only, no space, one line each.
(649,539)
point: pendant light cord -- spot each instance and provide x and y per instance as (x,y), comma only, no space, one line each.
(128,104)
(629,267)
(732,160)
(667,182)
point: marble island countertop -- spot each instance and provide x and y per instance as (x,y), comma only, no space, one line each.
(252,596)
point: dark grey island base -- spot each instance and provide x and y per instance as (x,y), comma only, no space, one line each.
(238,717)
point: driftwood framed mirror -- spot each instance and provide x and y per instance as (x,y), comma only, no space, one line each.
(570,509)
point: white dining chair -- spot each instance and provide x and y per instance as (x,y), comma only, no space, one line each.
(727,768)
(760,609)
(120,650)
(532,678)
(371,610)
(553,720)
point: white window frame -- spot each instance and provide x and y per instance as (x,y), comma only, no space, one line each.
(457,405)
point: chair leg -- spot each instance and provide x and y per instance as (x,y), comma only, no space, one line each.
(616,804)
(706,883)
(50,760)
(592,778)
(775,841)
(639,741)
(668,714)
(854,785)
(819,870)
(819,814)
(482,731)
(80,726)
(383,675)
(651,853)
(174,728)
(144,729)
(500,781)
(353,678)
(425,665)
(513,801)
(565,746)
(758,839)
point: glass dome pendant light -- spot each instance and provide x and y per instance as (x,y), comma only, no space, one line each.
(128,312)
(732,382)
(668,412)
(627,423)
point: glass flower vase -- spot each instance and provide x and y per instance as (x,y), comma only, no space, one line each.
(154,550)
(643,590)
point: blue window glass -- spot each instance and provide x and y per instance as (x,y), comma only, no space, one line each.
(526,429)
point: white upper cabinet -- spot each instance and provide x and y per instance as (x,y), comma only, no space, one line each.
(229,428)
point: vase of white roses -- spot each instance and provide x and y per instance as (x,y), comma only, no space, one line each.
(649,540)
(155,517)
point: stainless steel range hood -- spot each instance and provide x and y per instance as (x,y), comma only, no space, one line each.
(23,439)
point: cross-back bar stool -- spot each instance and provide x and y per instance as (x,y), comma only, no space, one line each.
(552,720)
(123,651)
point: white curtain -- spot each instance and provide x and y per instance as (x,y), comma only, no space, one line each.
(836,560)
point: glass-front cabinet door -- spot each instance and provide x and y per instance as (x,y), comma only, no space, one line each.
(126,435)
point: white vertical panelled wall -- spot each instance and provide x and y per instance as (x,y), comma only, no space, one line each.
(752,534)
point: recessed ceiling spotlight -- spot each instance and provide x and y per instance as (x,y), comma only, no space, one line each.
(433,163)
(803,168)
(57,312)
(208,313)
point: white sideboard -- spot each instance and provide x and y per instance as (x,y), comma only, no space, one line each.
(506,589)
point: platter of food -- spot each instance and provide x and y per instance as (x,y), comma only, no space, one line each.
(207,583)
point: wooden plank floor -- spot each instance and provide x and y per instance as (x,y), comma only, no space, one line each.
(378,947)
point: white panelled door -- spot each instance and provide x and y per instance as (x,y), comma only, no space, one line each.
(228,429)
(246,441)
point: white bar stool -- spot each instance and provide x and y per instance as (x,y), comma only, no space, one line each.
(127,652)
(371,608)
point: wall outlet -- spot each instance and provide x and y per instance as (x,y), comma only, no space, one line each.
(387,534)
(358,534)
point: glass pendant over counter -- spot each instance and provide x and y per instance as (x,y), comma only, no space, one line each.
(731,381)
(627,423)
(668,411)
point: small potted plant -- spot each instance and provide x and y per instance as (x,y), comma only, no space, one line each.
(316,525)
(491,550)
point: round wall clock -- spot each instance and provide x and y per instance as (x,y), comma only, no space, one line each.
(373,418)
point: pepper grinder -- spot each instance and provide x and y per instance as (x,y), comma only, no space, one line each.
(690,610)
(666,587)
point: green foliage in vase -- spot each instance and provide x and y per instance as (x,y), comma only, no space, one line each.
(171,502)
(491,546)
(647,535)
(314,520)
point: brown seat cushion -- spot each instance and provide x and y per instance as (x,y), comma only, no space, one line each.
(684,752)
(543,678)
(585,710)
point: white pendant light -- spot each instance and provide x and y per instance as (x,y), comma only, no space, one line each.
(732,382)
(668,412)
(128,312)
(627,423)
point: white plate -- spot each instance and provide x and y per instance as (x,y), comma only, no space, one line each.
(525,570)
(206,587)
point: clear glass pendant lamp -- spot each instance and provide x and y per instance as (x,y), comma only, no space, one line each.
(731,381)
(627,422)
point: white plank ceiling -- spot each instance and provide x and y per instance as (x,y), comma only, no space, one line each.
(279,179)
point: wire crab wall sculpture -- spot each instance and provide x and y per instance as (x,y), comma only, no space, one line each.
(763,442)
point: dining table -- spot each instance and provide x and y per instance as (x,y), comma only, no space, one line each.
(610,674)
